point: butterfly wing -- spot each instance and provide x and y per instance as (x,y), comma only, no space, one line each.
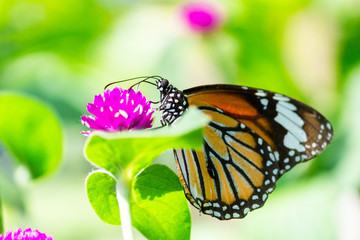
(253,138)
(294,130)
(233,174)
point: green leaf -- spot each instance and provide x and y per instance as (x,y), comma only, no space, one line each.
(158,206)
(101,191)
(30,130)
(133,151)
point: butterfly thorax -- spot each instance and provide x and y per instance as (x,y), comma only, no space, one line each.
(173,102)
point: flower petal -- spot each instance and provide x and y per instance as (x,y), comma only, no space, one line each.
(118,110)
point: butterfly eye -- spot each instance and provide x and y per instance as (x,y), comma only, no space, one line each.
(164,83)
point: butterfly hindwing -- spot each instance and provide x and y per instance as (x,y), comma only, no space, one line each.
(234,172)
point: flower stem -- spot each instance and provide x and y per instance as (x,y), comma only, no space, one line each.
(123,196)
(1,216)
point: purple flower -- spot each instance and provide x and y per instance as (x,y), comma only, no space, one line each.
(118,110)
(201,16)
(27,234)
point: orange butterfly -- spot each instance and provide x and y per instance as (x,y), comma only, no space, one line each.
(253,138)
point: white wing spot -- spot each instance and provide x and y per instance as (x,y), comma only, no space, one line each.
(264,102)
(260,93)
(217,205)
(208,211)
(236,207)
(246,210)
(217,214)
(277,155)
(280,97)
(291,142)
(288,105)
(264,197)
(287,118)
(208,204)
(254,206)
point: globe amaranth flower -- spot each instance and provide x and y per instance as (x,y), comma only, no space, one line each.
(118,110)
(27,234)
(201,17)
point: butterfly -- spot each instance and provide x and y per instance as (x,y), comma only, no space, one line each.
(254,136)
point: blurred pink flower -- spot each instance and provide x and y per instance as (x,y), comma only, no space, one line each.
(27,234)
(201,17)
(117,110)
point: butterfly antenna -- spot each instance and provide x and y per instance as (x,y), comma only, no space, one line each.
(145,78)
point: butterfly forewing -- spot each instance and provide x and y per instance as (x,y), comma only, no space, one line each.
(295,131)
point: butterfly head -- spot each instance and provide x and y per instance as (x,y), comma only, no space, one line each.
(162,85)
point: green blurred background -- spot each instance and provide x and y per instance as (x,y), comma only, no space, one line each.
(64,52)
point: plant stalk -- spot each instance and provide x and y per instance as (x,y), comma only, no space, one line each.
(123,194)
(1,216)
